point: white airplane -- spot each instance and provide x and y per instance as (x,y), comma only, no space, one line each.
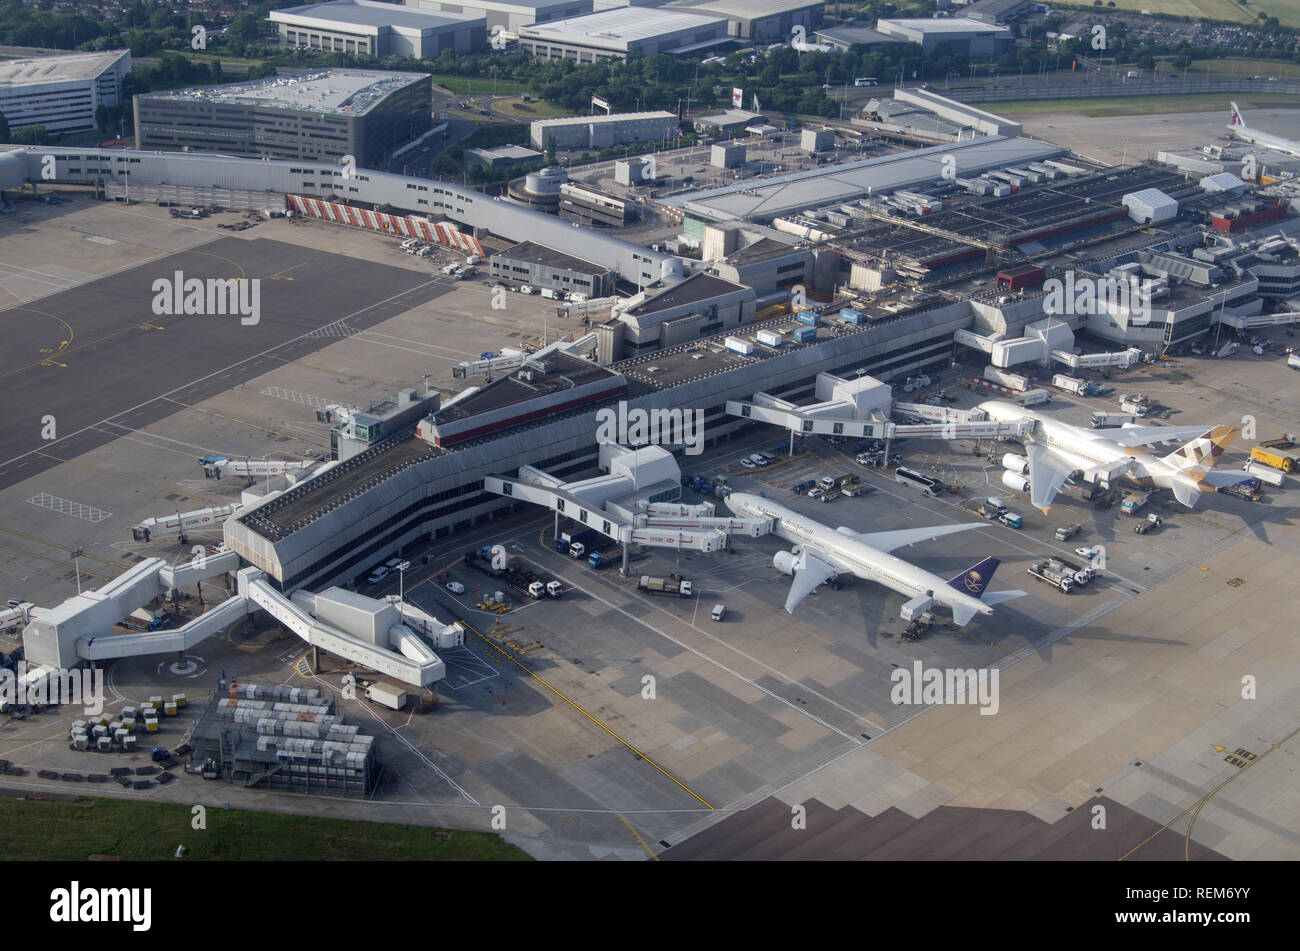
(1054,450)
(820,553)
(1267,140)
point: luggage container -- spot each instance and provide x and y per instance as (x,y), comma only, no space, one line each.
(180,700)
(130,744)
(104,744)
(151,726)
(169,708)
(805,334)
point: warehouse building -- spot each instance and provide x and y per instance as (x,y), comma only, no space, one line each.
(377,29)
(318,115)
(613,34)
(847,35)
(599,132)
(728,122)
(542,267)
(61,93)
(762,21)
(966,37)
(502,157)
(510,15)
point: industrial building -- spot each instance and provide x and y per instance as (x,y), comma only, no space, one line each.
(502,157)
(541,267)
(613,34)
(314,116)
(700,306)
(727,122)
(966,37)
(774,196)
(509,15)
(61,93)
(762,21)
(997,11)
(588,206)
(599,132)
(847,35)
(377,29)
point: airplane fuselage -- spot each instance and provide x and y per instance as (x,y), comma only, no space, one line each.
(1266,140)
(857,557)
(1088,449)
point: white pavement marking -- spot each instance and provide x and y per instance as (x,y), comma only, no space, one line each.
(79,510)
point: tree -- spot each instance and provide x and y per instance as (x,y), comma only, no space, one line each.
(31,135)
(550,150)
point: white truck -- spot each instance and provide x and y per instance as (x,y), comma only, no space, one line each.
(1034,397)
(1293,361)
(1012,381)
(390,695)
(1070,384)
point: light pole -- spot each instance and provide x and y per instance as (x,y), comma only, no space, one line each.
(75,555)
(401,584)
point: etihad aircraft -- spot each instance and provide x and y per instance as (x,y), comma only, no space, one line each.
(1054,450)
(819,553)
(1266,140)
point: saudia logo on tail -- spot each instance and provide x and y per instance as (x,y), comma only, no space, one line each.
(974,582)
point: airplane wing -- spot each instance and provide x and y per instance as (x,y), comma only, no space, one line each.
(1145,435)
(1222,477)
(1047,474)
(997,597)
(888,541)
(811,571)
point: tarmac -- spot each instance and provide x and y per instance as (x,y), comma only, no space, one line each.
(612,725)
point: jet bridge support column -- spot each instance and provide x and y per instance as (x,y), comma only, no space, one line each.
(626,560)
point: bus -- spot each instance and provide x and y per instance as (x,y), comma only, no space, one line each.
(917,481)
(867,81)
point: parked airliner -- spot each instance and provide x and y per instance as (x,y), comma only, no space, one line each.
(820,553)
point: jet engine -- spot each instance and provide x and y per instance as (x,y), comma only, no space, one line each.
(1016,463)
(1014,482)
(784,561)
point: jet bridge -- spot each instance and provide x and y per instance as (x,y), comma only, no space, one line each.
(491,363)
(949,423)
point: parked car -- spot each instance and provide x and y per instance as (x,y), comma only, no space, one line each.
(1089,553)
(747,463)
(379,574)
(816,493)
(455,587)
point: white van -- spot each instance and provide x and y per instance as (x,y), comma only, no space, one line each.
(719,612)
(379,574)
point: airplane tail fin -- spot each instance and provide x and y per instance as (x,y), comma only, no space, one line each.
(1199,456)
(976,578)
(1236,116)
